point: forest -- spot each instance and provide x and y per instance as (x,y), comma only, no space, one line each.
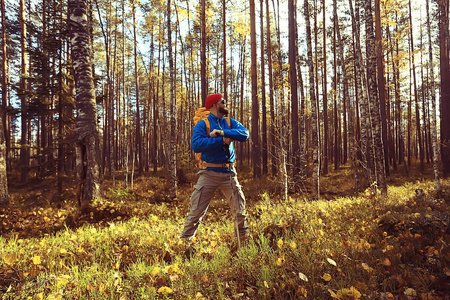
(345,173)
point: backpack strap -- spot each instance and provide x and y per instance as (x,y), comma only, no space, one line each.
(228,121)
(208,126)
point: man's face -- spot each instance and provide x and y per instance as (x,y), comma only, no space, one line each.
(221,105)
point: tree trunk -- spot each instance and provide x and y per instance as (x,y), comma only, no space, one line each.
(392,120)
(3,176)
(314,109)
(433,105)
(112,123)
(280,123)
(155,107)
(256,145)
(204,82)
(173,111)
(357,80)
(24,149)
(363,126)
(224,41)
(416,95)
(336,147)
(263,94)
(302,134)
(124,109)
(4,77)
(325,96)
(61,146)
(374,101)
(294,89)
(241,95)
(87,138)
(445,87)
(381,83)
(401,132)
(44,101)
(138,112)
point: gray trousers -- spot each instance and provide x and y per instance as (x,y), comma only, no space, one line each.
(207,184)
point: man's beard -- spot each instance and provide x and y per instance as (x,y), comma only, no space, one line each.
(223,110)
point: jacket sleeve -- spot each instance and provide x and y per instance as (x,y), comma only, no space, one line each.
(237,132)
(202,142)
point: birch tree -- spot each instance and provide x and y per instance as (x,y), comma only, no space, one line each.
(87,137)
(3,176)
(433,104)
(4,81)
(314,108)
(381,82)
(374,101)
(173,110)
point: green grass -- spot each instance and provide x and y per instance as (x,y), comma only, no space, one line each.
(348,248)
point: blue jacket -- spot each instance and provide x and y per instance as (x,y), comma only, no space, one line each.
(214,150)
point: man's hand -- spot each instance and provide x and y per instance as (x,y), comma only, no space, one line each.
(227,140)
(216,133)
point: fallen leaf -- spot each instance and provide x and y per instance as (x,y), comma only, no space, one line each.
(366,267)
(351,293)
(40,296)
(303,277)
(280,243)
(326,277)
(410,293)
(165,290)
(332,262)
(280,261)
(37,260)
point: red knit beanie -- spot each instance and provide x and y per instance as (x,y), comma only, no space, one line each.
(211,99)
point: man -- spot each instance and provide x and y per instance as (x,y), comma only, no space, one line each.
(217,167)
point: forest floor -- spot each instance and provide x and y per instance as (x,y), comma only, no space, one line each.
(346,246)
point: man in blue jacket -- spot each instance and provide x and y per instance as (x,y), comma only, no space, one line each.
(217,166)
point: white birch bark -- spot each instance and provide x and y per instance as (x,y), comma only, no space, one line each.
(87,137)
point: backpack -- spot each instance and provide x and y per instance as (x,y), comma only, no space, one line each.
(202,114)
